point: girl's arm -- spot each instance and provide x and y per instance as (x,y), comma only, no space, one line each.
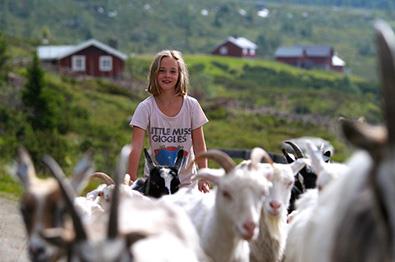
(137,147)
(199,146)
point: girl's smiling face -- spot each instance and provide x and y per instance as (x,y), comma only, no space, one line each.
(168,73)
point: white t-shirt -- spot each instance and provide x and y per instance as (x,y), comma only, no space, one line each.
(167,135)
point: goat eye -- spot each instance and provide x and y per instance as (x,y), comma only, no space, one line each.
(226,195)
(290,183)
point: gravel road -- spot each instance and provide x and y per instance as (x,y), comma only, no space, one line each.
(12,233)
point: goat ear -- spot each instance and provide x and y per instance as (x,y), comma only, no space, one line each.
(25,168)
(81,173)
(211,174)
(317,161)
(298,165)
(364,136)
(123,160)
(150,163)
(180,157)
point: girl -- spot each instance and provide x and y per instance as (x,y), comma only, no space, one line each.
(172,119)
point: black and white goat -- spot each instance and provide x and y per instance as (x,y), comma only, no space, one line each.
(162,179)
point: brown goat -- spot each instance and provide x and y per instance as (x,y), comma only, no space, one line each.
(42,206)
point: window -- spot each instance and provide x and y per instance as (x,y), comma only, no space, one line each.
(245,51)
(223,50)
(78,63)
(252,52)
(105,63)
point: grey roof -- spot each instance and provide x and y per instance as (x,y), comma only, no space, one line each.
(59,52)
(51,52)
(318,50)
(289,51)
(296,51)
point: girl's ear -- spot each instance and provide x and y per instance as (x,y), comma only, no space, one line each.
(210,174)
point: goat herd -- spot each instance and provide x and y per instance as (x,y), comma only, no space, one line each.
(300,207)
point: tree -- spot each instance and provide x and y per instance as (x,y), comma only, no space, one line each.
(37,100)
(3,57)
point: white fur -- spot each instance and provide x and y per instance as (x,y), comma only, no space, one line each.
(220,215)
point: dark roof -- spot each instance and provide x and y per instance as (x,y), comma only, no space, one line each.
(297,51)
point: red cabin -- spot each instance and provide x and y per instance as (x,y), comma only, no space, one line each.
(310,57)
(237,47)
(91,58)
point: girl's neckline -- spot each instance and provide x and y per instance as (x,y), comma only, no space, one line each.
(171,109)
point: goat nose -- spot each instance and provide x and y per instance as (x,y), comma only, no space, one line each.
(36,250)
(275,204)
(249,228)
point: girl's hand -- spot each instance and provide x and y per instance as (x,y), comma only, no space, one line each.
(203,186)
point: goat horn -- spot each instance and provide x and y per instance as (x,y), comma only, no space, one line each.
(296,148)
(104,177)
(112,230)
(68,196)
(257,154)
(220,157)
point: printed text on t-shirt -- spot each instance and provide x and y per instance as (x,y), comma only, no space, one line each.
(169,135)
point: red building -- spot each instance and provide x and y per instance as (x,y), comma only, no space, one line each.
(91,58)
(237,47)
(310,57)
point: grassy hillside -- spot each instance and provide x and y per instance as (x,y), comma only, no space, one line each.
(197,27)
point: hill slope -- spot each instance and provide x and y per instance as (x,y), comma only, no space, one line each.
(197,26)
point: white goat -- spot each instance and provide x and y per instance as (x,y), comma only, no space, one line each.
(228,215)
(355,216)
(270,244)
(141,222)
(308,202)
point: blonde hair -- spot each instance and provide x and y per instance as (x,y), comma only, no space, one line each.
(183,77)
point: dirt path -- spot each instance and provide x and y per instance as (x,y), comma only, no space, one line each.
(12,233)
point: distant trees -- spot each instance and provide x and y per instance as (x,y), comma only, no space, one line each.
(44,113)
(382,4)
(267,45)
(3,58)
(37,103)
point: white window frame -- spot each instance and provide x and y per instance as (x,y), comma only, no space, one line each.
(105,63)
(223,50)
(78,63)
